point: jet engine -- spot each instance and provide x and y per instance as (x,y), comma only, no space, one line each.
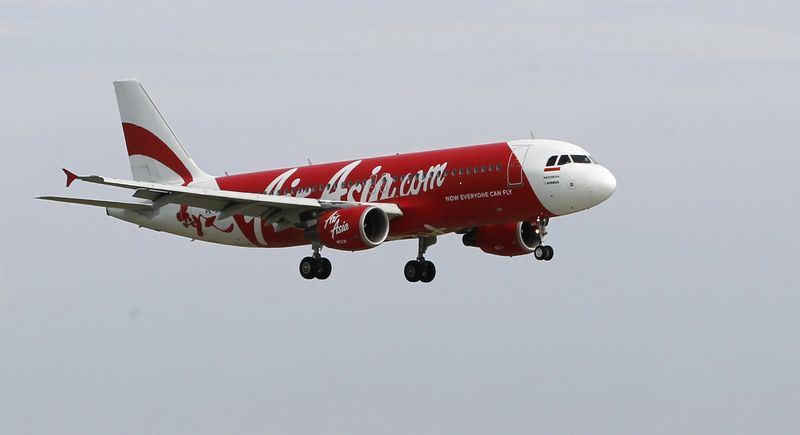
(352,229)
(509,239)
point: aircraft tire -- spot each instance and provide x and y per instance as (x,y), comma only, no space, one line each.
(324,268)
(412,271)
(308,267)
(428,271)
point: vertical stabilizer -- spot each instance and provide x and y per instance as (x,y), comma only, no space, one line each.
(155,153)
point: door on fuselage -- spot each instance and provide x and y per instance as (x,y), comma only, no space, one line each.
(515,162)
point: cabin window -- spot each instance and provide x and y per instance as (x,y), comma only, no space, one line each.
(551,161)
(564,160)
(499,167)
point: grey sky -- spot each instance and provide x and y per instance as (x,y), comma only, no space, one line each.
(672,308)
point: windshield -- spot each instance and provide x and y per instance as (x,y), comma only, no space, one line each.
(580,159)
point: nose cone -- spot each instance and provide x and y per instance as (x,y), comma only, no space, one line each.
(601,184)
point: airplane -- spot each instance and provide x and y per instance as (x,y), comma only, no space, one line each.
(499,197)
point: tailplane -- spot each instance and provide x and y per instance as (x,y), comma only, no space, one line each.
(155,153)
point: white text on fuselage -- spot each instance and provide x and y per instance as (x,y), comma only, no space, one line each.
(379,186)
(478,195)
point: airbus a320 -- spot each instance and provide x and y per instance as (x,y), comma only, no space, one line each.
(499,197)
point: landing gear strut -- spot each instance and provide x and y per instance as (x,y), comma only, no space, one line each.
(315,266)
(543,252)
(421,269)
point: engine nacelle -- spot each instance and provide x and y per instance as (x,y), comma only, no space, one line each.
(510,239)
(353,229)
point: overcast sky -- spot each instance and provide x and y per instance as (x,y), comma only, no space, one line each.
(671,308)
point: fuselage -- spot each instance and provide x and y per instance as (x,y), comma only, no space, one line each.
(438,191)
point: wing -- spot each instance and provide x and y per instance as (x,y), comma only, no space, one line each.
(273,208)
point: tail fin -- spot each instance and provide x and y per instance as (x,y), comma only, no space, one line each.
(155,153)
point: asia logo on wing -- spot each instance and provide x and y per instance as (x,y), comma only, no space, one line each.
(337,227)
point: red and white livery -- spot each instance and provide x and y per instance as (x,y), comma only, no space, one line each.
(499,196)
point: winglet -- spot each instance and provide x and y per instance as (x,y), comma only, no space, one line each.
(70,176)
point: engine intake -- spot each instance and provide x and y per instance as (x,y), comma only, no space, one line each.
(509,240)
(353,229)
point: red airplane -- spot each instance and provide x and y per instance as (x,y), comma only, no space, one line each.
(499,196)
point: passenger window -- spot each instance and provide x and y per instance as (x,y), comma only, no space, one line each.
(580,159)
(483,168)
(551,161)
(468,170)
(564,160)
(499,167)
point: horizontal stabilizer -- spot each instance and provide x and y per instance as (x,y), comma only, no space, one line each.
(99,203)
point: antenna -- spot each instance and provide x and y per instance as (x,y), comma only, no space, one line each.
(533,136)
(309,161)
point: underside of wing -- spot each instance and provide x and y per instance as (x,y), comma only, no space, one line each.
(272,208)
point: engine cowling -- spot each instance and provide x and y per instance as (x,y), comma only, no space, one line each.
(353,229)
(509,239)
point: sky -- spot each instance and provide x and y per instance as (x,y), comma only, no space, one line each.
(671,308)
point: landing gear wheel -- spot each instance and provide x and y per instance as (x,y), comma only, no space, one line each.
(540,252)
(549,253)
(324,268)
(413,271)
(309,267)
(428,271)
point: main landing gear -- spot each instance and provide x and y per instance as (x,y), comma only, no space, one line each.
(543,252)
(421,269)
(315,266)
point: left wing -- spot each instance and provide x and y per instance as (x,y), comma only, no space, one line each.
(273,208)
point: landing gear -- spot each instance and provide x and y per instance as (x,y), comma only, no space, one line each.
(543,252)
(315,266)
(421,270)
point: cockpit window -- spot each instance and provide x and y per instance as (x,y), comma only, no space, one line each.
(551,161)
(580,159)
(564,160)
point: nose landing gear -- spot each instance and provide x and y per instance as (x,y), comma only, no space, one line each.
(421,270)
(315,266)
(542,252)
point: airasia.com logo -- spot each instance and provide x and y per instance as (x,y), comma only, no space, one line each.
(379,186)
(337,226)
